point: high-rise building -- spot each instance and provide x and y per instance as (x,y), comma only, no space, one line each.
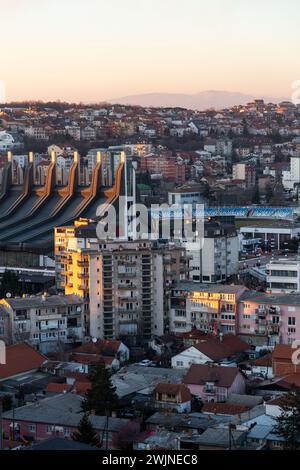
(125,284)
(216,259)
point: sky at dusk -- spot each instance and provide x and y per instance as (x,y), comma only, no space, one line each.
(90,50)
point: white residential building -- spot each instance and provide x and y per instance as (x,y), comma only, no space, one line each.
(217,259)
(283,275)
(7,141)
(37,133)
(291,177)
(46,321)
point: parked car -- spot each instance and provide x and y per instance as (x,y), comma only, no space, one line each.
(145,363)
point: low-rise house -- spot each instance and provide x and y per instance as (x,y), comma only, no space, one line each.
(59,443)
(173,397)
(134,379)
(55,388)
(261,367)
(261,433)
(223,349)
(218,439)
(228,409)
(104,348)
(282,362)
(20,359)
(162,440)
(214,383)
(56,416)
(191,423)
(87,361)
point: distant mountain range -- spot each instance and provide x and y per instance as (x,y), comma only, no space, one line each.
(199,101)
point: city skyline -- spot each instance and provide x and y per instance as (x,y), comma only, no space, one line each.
(95,51)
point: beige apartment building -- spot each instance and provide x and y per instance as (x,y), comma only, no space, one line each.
(125,284)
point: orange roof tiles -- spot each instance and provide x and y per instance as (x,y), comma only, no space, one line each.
(20,358)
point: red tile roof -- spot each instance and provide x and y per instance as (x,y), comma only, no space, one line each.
(289,380)
(199,374)
(58,388)
(81,388)
(20,358)
(92,359)
(105,347)
(224,408)
(263,361)
(282,351)
(81,377)
(217,349)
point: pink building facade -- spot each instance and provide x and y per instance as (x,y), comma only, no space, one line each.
(269,319)
(214,383)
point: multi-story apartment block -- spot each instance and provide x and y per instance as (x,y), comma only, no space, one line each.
(125,285)
(216,259)
(283,275)
(209,308)
(292,176)
(37,133)
(45,321)
(268,319)
(244,172)
(168,167)
(74,131)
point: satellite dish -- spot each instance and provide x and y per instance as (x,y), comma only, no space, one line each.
(94,340)
(8,295)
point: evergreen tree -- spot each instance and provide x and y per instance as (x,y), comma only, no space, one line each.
(288,422)
(101,397)
(86,433)
(7,403)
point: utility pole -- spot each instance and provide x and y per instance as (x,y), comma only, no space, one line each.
(231,427)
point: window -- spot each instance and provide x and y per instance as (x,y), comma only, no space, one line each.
(179,363)
(32,428)
(292,321)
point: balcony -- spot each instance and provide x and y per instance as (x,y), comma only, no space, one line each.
(169,260)
(82,264)
(127,263)
(170,272)
(126,286)
(82,287)
(125,310)
(127,275)
(126,298)
(274,310)
(83,275)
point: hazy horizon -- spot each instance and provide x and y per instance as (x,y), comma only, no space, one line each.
(97,51)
